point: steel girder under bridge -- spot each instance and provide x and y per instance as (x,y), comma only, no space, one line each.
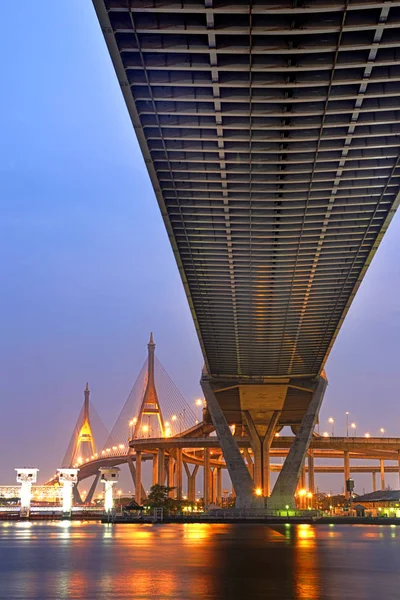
(270,132)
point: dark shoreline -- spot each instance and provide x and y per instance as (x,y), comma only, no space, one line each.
(268,520)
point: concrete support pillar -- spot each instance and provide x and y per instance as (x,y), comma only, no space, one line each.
(346,472)
(258,465)
(206,478)
(76,496)
(303,478)
(219,485)
(261,446)
(160,467)
(238,471)
(154,477)
(187,471)
(178,473)
(214,485)
(285,487)
(382,467)
(138,477)
(132,470)
(266,473)
(89,497)
(192,484)
(302,487)
(311,474)
(171,476)
(373,481)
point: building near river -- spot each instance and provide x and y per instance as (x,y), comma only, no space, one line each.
(383,503)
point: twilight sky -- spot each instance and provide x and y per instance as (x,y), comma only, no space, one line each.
(86,269)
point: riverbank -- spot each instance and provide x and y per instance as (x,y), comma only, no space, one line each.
(204,518)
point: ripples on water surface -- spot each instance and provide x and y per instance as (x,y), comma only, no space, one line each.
(47,561)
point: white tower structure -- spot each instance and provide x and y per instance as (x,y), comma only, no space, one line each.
(109,476)
(26,477)
(67,478)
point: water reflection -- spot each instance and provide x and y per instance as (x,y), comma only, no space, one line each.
(45,561)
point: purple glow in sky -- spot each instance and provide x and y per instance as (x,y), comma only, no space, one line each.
(86,268)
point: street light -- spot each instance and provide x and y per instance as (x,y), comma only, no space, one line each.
(332,422)
(382,431)
(354,428)
(347,423)
(325,434)
(367,435)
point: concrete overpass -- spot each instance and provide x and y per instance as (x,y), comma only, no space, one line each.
(172,457)
(270,133)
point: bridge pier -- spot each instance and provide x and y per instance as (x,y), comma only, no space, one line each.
(154,474)
(239,474)
(178,473)
(214,485)
(76,495)
(171,475)
(160,466)
(346,472)
(285,487)
(382,469)
(373,481)
(138,477)
(311,474)
(261,439)
(206,478)
(219,485)
(89,497)
(191,481)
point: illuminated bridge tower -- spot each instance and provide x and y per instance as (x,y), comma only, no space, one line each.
(153,425)
(149,423)
(84,446)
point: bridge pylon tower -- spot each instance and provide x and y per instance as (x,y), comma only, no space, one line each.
(150,406)
(85,446)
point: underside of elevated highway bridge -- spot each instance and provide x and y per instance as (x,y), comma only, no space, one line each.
(269,129)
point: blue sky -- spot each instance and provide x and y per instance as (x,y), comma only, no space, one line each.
(86,268)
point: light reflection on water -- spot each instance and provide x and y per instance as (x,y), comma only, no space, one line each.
(50,561)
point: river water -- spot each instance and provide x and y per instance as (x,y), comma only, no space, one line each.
(48,561)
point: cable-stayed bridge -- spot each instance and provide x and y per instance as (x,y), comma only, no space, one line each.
(270,133)
(157,426)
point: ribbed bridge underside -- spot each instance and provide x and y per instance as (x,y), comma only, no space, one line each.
(271,134)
